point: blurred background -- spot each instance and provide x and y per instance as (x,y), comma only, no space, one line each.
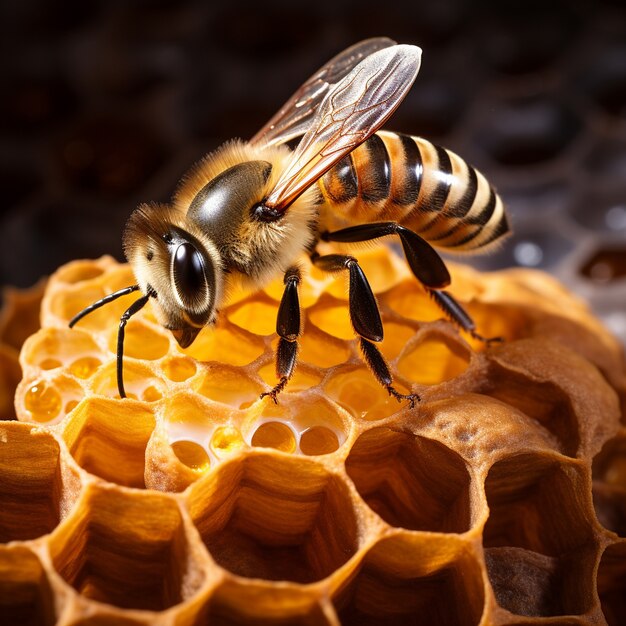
(106,103)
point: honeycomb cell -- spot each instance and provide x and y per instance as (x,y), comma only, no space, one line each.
(332,317)
(275,518)
(433,359)
(322,350)
(227,345)
(127,549)
(609,485)
(109,440)
(303,378)
(528,130)
(192,454)
(226,440)
(318,440)
(229,385)
(43,402)
(414,581)
(47,400)
(236,604)
(257,317)
(141,341)
(275,435)
(55,347)
(393,472)
(605,265)
(409,300)
(612,582)
(396,338)
(179,369)
(357,391)
(78,272)
(522,491)
(25,594)
(30,482)
(542,401)
(536,585)
(139,379)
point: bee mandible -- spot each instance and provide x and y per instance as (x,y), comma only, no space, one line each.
(249,211)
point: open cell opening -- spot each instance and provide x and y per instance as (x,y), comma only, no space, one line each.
(228,345)
(26,598)
(30,483)
(125,549)
(612,582)
(141,341)
(229,385)
(544,402)
(54,347)
(401,583)
(257,317)
(179,369)
(358,391)
(140,382)
(78,272)
(321,350)
(410,481)
(275,518)
(537,585)
(48,401)
(109,440)
(433,360)
(537,503)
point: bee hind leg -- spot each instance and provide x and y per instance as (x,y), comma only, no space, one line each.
(288,327)
(365,319)
(447,303)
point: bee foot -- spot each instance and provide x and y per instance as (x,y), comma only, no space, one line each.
(411,397)
(487,340)
(273,394)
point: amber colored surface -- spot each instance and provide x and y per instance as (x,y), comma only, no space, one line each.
(499,500)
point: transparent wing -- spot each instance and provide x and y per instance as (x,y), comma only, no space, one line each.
(295,116)
(353,110)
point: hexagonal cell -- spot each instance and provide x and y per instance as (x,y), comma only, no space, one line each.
(227,344)
(109,438)
(31,486)
(126,549)
(357,390)
(433,359)
(544,402)
(179,369)
(142,341)
(320,349)
(539,543)
(275,517)
(237,604)
(536,585)
(55,347)
(78,271)
(229,385)
(410,581)
(539,503)
(612,582)
(411,481)
(140,381)
(609,485)
(25,594)
(528,130)
(47,400)
(605,265)
(257,317)
(304,377)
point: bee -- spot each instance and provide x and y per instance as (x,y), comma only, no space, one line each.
(250,210)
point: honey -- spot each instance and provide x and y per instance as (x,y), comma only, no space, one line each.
(226,439)
(43,402)
(85,367)
(192,454)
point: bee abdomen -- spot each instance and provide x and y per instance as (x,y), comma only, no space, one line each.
(420,185)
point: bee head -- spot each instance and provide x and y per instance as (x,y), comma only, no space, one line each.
(179,268)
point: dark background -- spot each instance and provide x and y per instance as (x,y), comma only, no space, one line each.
(104,104)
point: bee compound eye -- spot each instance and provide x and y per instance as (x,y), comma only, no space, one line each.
(189,273)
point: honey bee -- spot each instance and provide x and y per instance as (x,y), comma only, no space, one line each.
(250,210)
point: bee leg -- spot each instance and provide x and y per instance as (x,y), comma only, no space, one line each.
(425,263)
(459,315)
(288,328)
(422,258)
(365,319)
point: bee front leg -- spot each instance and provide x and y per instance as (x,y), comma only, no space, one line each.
(365,319)
(288,327)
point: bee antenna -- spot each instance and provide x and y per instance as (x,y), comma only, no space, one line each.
(135,307)
(102,302)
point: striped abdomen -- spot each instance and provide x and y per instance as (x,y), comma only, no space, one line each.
(432,191)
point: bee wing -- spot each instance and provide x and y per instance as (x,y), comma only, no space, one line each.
(353,110)
(294,118)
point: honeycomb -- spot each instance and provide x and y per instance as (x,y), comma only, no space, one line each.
(500,499)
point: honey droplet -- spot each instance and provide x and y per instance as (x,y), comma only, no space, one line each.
(318,440)
(50,364)
(192,454)
(43,402)
(84,367)
(227,439)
